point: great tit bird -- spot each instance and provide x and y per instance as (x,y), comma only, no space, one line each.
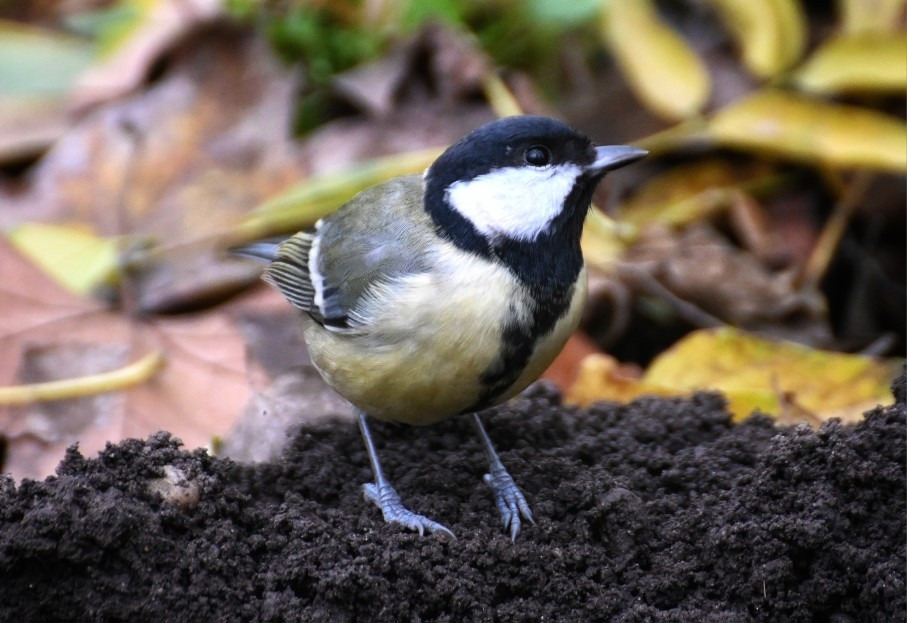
(438,295)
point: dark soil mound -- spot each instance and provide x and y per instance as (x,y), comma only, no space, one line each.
(659,511)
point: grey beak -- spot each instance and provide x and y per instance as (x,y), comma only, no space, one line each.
(613,157)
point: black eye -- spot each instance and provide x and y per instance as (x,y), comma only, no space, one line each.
(538,155)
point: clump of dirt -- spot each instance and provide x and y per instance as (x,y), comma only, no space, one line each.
(662,510)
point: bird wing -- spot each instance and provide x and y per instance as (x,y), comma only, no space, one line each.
(378,236)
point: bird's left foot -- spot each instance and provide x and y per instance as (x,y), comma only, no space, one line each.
(509,499)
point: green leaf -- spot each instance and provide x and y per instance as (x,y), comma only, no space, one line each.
(39,62)
(559,14)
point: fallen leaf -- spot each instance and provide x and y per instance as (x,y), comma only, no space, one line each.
(757,373)
(38,69)
(812,131)
(564,370)
(692,191)
(298,395)
(603,378)
(664,72)
(447,61)
(604,241)
(709,282)
(864,63)
(800,384)
(72,254)
(877,16)
(155,26)
(48,334)
(175,168)
(771,34)
(304,203)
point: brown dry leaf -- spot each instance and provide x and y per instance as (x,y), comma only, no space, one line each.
(38,69)
(47,333)
(786,380)
(564,370)
(709,282)
(812,131)
(865,63)
(664,72)
(176,166)
(157,26)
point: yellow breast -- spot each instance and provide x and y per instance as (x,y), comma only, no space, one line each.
(425,340)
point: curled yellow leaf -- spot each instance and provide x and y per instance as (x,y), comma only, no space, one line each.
(868,63)
(101,383)
(813,131)
(771,34)
(663,71)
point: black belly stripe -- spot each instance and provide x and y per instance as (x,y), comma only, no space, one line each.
(518,342)
(547,267)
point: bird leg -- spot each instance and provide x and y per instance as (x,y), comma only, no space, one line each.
(507,496)
(385,497)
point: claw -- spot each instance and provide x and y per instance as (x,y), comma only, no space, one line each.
(509,500)
(385,497)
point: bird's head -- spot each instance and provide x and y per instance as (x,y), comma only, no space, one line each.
(516,180)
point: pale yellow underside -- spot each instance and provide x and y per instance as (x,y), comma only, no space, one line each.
(426,339)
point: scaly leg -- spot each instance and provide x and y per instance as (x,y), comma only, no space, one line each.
(508,498)
(385,497)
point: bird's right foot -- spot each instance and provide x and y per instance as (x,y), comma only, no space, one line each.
(385,497)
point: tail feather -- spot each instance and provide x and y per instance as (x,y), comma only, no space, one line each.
(266,250)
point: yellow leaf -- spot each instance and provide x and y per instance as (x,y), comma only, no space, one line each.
(690,192)
(73,255)
(604,240)
(867,63)
(875,16)
(664,72)
(771,34)
(813,131)
(791,29)
(759,373)
(305,203)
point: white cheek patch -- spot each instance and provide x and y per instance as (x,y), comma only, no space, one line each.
(516,202)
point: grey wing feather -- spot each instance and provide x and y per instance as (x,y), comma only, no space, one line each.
(357,247)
